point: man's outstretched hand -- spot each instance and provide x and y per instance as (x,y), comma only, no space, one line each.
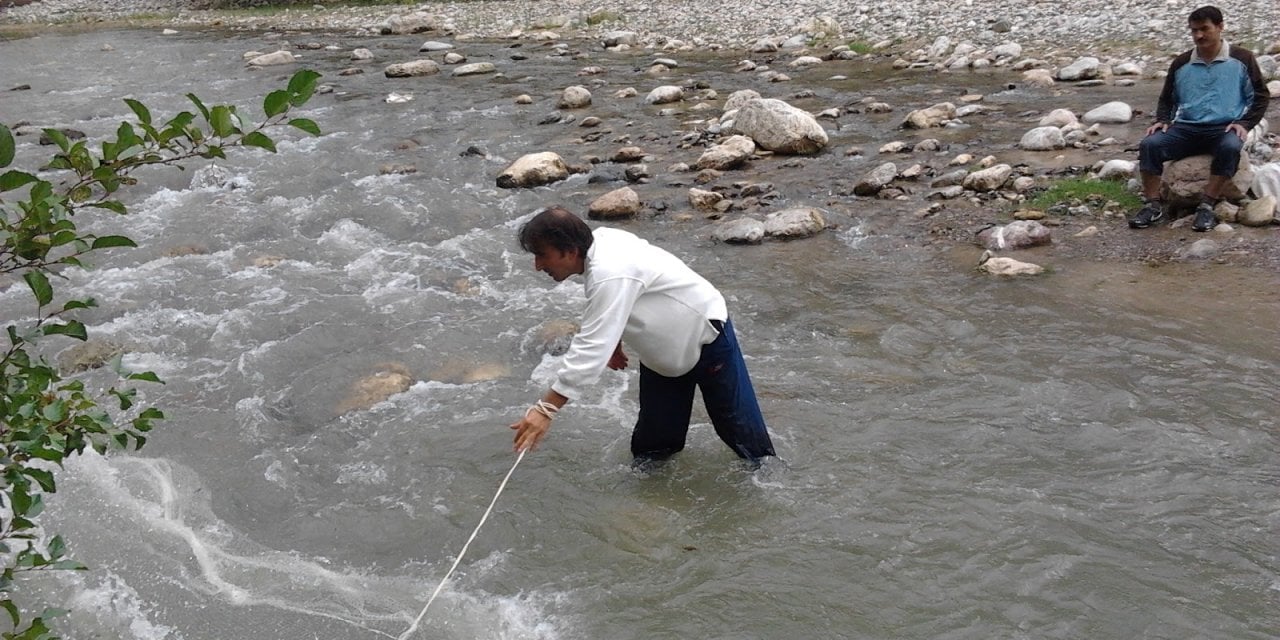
(530,430)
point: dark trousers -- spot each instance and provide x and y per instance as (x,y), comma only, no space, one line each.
(1184,140)
(721,374)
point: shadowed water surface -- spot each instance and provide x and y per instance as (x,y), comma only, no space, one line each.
(1090,454)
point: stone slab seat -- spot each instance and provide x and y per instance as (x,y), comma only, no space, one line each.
(1184,181)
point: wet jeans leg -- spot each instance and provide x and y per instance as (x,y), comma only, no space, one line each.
(1226,155)
(730,399)
(663,424)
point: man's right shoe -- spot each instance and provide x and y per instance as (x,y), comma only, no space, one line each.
(1149,214)
(1205,218)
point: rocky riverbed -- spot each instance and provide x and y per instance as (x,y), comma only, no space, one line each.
(1048,27)
(953,166)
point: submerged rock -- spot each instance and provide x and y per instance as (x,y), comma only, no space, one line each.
(370,390)
(1002,266)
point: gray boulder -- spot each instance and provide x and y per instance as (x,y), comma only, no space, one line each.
(574,97)
(799,222)
(416,22)
(740,231)
(930,117)
(1110,113)
(618,204)
(780,127)
(1184,181)
(1018,234)
(664,95)
(1043,139)
(534,169)
(1084,68)
(989,179)
(475,68)
(730,154)
(272,59)
(877,179)
(411,69)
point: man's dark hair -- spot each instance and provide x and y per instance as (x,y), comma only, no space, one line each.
(556,227)
(1207,12)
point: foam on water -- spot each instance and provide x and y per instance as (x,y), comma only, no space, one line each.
(158,322)
(108,602)
(163,503)
(349,234)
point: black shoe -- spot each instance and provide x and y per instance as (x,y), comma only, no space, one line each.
(1149,214)
(1205,219)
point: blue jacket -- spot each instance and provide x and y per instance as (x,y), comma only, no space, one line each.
(1227,89)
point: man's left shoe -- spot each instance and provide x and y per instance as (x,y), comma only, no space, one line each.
(1205,218)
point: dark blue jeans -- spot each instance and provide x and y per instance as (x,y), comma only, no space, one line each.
(1184,140)
(721,374)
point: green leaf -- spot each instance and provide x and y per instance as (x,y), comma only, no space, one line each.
(80,193)
(302,85)
(110,205)
(104,242)
(221,122)
(148,376)
(140,110)
(40,286)
(55,411)
(58,138)
(7,149)
(276,103)
(45,478)
(12,608)
(199,105)
(258,139)
(11,180)
(306,125)
(72,328)
(87,303)
(36,508)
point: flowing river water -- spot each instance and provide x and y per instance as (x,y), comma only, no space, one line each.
(1091,454)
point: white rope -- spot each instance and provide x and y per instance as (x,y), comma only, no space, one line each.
(414,627)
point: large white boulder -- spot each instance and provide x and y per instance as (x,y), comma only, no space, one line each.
(1043,139)
(780,127)
(1110,113)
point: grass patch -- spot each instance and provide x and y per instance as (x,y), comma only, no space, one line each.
(1077,191)
(860,47)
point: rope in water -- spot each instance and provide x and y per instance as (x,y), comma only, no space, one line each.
(414,627)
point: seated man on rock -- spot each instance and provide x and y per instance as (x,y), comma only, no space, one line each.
(1213,95)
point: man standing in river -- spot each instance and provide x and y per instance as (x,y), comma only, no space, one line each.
(671,317)
(1213,95)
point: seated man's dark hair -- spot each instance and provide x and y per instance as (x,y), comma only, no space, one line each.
(556,227)
(1207,12)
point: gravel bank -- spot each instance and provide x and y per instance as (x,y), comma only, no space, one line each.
(1049,27)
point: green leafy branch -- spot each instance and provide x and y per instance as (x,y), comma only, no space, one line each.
(44,417)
